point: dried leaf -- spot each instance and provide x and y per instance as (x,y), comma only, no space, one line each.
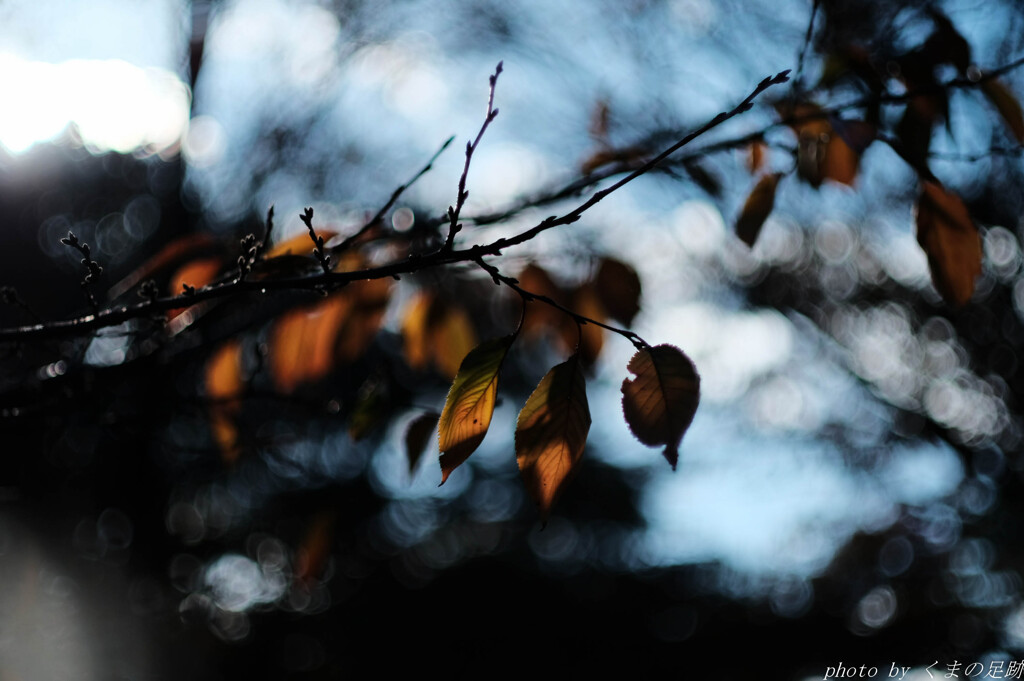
(470,403)
(417,435)
(551,432)
(618,288)
(952,242)
(757,208)
(223,380)
(660,402)
(1007,106)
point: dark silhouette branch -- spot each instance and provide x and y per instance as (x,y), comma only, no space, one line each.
(328,280)
(454,212)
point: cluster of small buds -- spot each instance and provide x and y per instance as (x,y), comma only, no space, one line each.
(318,241)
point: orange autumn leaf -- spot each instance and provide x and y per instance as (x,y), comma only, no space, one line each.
(470,403)
(952,242)
(195,274)
(660,402)
(223,380)
(302,342)
(757,208)
(300,244)
(551,432)
(190,245)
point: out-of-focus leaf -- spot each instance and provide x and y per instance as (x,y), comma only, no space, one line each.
(300,244)
(1007,106)
(757,152)
(587,340)
(840,162)
(417,435)
(660,402)
(315,548)
(470,403)
(551,432)
(914,131)
(223,380)
(540,318)
(436,331)
(302,342)
(371,409)
(618,288)
(196,274)
(703,178)
(952,242)
(603,157)
(173,254)
(757,208)
(813,133)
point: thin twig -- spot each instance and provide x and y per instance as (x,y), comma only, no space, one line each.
(453,212)
(347,243)
(318,241)
(798,77)
(328,279)
(529,296)
(9,295)
(92,268)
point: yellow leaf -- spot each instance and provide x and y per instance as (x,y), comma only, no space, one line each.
(417,435)
(618,289)
(224,388)
(470,403)
(952,242)
(551,432)
(756,209)
(1007,106)
(660,402)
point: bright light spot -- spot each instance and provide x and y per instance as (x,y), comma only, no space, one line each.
(238,583)
(113,105)
(730,348)
(205,143)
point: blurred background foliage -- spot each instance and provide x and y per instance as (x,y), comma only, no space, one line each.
(212,495)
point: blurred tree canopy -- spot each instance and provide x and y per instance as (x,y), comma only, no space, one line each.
(220,421)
